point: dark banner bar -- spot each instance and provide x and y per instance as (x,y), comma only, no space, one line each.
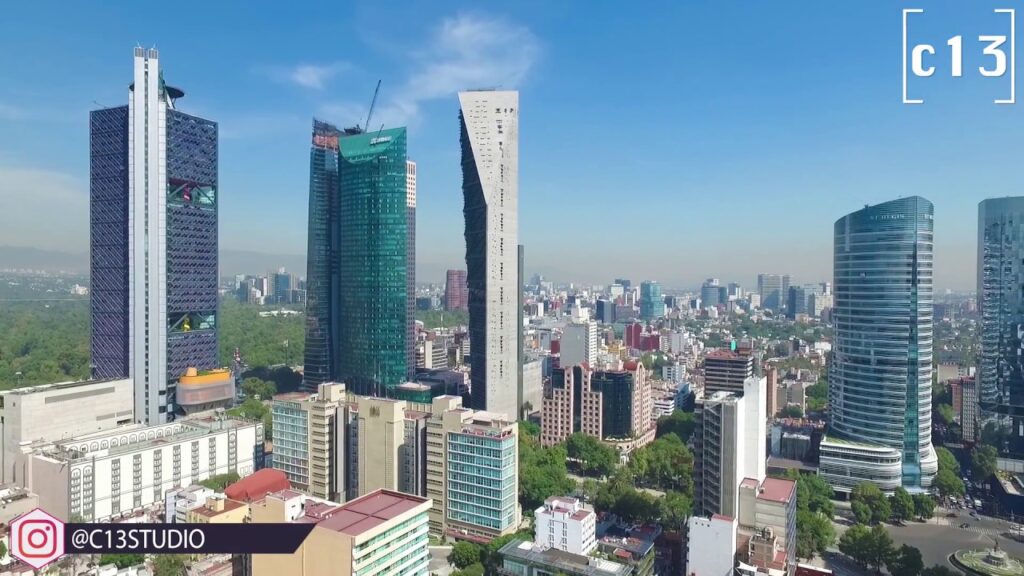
(185,538)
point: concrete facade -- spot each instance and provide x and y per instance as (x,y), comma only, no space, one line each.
(53,412)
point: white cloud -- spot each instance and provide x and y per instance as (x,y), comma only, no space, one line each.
(465,51)
(43,208)
(311,76)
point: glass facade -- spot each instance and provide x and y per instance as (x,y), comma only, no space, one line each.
(616,390)
(108,223)
(881,372)
(373,233)
(652,303)
(291,441)
(321,267)
(192,269)
(482,479)
(359,263)
(1001,304)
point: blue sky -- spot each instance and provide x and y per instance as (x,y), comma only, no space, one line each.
(672,140)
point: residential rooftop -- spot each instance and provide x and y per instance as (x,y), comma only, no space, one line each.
(527,552)
(367,512)
(777,490)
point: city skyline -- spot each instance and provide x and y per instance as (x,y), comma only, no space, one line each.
(844,134)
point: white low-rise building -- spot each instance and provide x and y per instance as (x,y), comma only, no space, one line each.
(180,501)
(563,523)
(711,548)
(110,474)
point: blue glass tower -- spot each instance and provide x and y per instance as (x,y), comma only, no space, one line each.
(1001,304)
(153,221)
(880,380)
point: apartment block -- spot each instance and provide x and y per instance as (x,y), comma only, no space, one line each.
(310,440)
(564,523)
(729,444)
(472,472)
(725,370)
(106,475)
(379,533)
(391,446)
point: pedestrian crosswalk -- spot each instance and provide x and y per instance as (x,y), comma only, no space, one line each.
(972,526)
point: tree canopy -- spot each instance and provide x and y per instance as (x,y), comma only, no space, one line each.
(869,547)
(679,423)
(665,464)
(594,457)
(902,504)
(983,462)
(869,495)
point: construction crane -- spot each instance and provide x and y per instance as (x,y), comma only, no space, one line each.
(373,103)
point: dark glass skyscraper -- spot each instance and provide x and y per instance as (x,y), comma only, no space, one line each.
(153,221)
(359,298)
(1001,304)
(321,256)
(880,379)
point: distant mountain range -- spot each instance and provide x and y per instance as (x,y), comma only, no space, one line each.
(232,262)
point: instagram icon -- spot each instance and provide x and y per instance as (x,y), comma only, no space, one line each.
(37,538)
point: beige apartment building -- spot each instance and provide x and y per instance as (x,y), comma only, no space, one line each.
(383,532)
(391,442)
(472,472)
(310,439)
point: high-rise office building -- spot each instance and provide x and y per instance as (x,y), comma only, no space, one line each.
(729,444)
(579,344)
(360,259)
(1000,381)
(652,304)
(281,286)
(880,378)
(321,267)
(709,293)
(456,295)
(490,185)
(153,219)
(605,311)
(773,289)
(725,370)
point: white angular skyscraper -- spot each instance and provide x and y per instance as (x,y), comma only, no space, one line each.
(490,186)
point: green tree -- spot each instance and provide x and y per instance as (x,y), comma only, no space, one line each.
(861,512)
(939,570)
(924,506)
(944,414)
(875,500)
(471,570)
(948,484)
(3,550)
(168,565)
(792,411)
(673,510)
(595,458)
(947,460)
(814,533)
(259,389)
(528,428)
(542,473)
(902,504)
(122,560)
(906,562)
(679,423)
(983,462)
(817,395)
(665,464)
(221,481)
(880,547)
(464,554)
(855,543)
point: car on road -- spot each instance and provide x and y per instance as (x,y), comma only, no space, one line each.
(952,515)
(964,525)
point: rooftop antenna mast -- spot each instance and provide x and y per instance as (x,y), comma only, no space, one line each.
(373,103)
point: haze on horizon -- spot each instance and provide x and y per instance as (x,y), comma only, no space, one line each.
(654,156)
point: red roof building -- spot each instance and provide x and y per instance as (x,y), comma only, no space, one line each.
(257,485)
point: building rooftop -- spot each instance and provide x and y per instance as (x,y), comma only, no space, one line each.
(208,512)
(748,483)
(25,391)
(722,354)
(777,490)
(369,511)
(523,551)
(257,485)
(135,437)
(293,396)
